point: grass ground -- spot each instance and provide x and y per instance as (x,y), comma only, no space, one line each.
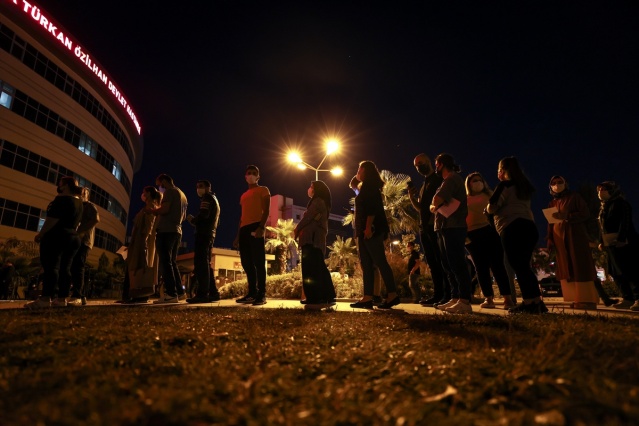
(170,366)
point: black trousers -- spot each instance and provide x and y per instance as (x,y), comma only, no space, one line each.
(519,240)
(202,266)
(77,271)
(166,245)
(56,256)
(488,255)
(253,258)
(434,260)
(316,279)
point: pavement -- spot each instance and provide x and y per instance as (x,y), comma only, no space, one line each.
(555,306)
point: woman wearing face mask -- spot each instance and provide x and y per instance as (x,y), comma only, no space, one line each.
(311,232)
(575,268)
(621,242)
(514,221)
(484,245)
(141,264)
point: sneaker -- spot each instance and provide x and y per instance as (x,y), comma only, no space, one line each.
(461,307)
(74,301)
(166,300)
(531,308)
(83,301)
(259,301)
(488,304)
(390,303)
(377,300)
(624,304)
(635,306)
(181,296)
(39,303)
(508,302)
(198,299)
(59,302)
(610,302)
(362,305)
(448,304)
(428,302)
(248,299)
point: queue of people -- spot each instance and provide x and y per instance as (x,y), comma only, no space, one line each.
(459,217)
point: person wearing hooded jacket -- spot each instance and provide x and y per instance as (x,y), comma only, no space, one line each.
(575,267)
(621,242)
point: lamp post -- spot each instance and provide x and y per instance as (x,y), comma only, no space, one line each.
(331,146)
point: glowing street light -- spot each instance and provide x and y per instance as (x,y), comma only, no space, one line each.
(331,146)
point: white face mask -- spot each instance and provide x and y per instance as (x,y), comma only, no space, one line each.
(161,189)
(477,186)
(251,179)
(558,188)
(310,192)
(200,191)
(604,195)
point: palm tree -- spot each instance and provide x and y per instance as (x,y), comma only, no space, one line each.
(283,237)
(342,255)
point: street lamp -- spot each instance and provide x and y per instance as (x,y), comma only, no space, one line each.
(331,146)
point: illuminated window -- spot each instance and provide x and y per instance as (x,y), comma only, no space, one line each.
(117,170)
(6,95)
(88,146)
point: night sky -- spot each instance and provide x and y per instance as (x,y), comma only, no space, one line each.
(222,84)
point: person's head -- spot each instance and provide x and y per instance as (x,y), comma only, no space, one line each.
(355,184)
(318,189)
(202,187)
(445,162)
(557,185)
(368,174)
(423,164)
(151,194)
(164,181)
(509,169)
(251,174)
(608,190)
(410,245)
(476,184)
(67,185)
(85,194)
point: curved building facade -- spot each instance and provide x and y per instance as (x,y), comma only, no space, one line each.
(60,114)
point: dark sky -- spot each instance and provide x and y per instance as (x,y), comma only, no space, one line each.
(222,84)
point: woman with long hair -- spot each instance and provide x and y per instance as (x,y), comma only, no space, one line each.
(311,233)
(483,243)
(510,205)
(372,229)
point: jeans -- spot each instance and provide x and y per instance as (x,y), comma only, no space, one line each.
(519,239)
(434,260)
(253,258)
(77,271)
(452,244)
(166,245)
(202,263)
(371,254)
(488,255)
(56,256)
(316,279)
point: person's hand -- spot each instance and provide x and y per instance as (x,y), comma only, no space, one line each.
(433,208)
(259,232)
(600,247)
(560,215)
(368,233)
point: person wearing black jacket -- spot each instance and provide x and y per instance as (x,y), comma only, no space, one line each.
(205,226)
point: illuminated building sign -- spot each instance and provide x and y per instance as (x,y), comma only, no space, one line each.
(37,15)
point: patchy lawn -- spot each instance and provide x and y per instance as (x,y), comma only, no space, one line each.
(169,366)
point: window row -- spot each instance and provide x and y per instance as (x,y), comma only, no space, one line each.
(42,116)
(22,216)
(25,161)
(46,68)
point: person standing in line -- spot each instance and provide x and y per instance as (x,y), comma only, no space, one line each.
(421,202)
(255,203)
(170,215)
(311,232)
(7,275)
(510,205)
(372,229)
(450,208)
(484,245)
(575,267)
(414,259)
(59,243)
(205,226)
(86,232)
(621,241)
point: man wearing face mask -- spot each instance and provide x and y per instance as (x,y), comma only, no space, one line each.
(421,202)
(170,215)
(575,268)
(255,202)
(205,225)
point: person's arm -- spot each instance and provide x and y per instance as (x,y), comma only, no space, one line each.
(496,200)
(92,221)
(266,207)
(205,210)
(49,223)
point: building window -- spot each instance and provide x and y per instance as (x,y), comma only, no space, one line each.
(117,170)
(6,94)
(88,146)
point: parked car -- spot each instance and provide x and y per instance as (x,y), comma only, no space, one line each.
(550,287)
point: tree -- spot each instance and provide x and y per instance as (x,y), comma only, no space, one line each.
(283,237)
(342,255)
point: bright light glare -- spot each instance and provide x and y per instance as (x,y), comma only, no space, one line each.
(331,146)
(301,166)
(294,157)
(337,171)
(395,242)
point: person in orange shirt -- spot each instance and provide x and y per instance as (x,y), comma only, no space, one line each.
(255,204)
